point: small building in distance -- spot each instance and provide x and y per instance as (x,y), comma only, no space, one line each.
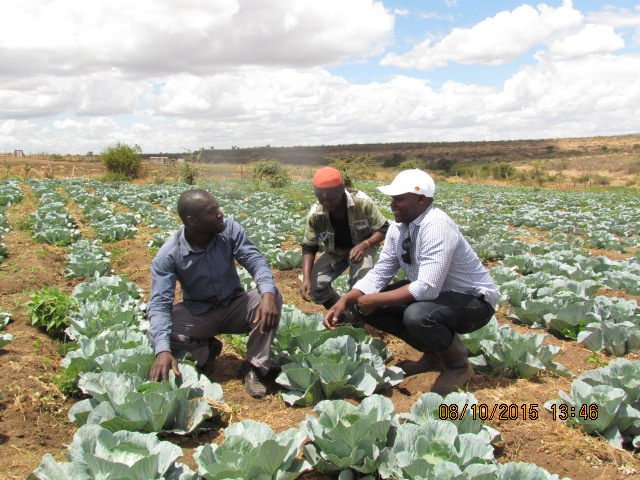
(159,160)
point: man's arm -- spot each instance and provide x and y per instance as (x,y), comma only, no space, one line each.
(163,284)
(356,254)
(248,255)
(310,247)
(308,258)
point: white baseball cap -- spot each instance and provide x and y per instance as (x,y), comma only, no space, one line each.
(410,181)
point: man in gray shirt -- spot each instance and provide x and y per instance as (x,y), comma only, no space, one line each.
(202,256)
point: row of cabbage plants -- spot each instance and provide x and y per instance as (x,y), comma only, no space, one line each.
(52,222)
(10,194)
(109,225)
(558,291)
(369,440)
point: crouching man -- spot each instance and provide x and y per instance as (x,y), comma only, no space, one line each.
(448,290)
(201,256)
(349,225)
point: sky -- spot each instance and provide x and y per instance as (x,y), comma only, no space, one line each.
(180,75)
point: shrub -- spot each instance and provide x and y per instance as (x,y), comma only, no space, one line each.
(502,171)
(361,167)
(273,172)
(122,159)
(411,163)
(394,160)
(50,309)
(189,172)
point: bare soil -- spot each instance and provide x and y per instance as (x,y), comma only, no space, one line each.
(33,413)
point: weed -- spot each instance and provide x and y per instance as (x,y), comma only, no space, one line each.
(595,360)
(237,343)
(49,310)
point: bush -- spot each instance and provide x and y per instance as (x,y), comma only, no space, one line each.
(502,171)
(273,172)
(394,160)
(49,309)
(189,173)
(122,159)
(411,163)
(361,167)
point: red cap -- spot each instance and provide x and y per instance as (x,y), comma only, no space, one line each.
(327,177)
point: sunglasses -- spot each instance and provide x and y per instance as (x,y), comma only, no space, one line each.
(406,250)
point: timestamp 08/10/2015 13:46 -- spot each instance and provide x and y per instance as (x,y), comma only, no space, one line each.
(514,411)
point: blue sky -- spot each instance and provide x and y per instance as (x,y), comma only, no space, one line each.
(176,75)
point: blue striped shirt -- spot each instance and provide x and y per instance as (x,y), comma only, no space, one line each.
(441,260)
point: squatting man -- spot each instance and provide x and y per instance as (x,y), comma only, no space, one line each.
(201,255)
(349,225)
(448,290)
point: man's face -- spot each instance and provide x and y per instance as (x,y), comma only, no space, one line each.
(208,217)
(408,206)
(330,198)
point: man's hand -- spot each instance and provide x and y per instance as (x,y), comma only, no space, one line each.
(267,315)
(161,365)
(333,314)
(356,254)
(305,289)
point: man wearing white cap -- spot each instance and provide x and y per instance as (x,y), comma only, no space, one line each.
(448,290)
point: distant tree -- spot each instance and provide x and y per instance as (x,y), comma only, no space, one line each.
(190,169)
(272,171)
(502,170)
(122,159)
(360,167)
(394,160)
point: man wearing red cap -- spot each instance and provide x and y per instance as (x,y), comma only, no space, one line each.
(349,225)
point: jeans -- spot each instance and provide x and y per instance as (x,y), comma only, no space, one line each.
(431,325)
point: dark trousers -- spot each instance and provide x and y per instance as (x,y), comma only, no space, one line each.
(430,326)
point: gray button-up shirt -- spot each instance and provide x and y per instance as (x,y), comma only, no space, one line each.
(208,277)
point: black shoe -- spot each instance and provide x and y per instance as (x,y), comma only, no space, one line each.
(215,348)
(253,385)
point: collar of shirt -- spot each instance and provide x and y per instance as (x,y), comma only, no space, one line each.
(185,248)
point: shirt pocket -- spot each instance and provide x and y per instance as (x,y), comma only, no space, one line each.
(362,229)
(326,238)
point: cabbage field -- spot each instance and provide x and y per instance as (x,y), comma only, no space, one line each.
(556,392)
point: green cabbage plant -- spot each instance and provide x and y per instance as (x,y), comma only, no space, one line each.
(251,450)
(606,401)
(126,402)
(98,453)
(346,437)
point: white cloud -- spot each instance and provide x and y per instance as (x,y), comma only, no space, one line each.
(94,94)
(493,41)
(67,124)
(69,37)
(401,12)
(592,39)
(250,73)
